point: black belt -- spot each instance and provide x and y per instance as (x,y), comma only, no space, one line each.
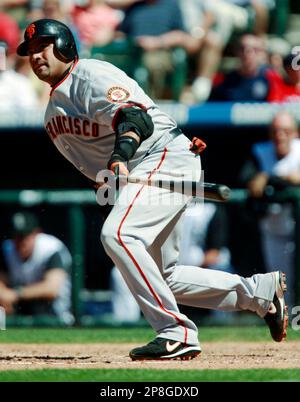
(174,133)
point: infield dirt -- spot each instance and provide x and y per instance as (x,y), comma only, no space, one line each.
(215,355)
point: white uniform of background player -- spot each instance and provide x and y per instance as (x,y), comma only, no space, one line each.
(139,233)
(24,273)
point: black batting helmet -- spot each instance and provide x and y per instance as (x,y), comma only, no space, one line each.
(48,28)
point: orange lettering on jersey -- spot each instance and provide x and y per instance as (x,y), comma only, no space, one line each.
(77,126)
(55,126)
(85,124)
(59,125)
(66,130)
(71,124)
(95,130)
(50,131)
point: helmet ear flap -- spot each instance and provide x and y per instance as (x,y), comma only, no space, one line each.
(66,48)
(59,49)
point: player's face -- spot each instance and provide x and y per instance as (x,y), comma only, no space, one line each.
(283,131)
(25,245)
(251,52)
(44,61)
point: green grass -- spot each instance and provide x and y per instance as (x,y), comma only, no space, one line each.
(133,375)
(139,335)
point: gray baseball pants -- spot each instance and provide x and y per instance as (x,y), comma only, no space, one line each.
(141,235)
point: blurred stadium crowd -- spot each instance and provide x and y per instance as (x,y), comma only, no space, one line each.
(188,50)
(191,51)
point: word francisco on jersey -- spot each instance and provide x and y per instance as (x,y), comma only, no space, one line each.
(72,125)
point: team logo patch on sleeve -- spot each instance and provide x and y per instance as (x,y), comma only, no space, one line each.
(117,94)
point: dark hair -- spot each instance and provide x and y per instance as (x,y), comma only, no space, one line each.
(287,61)
(23,224)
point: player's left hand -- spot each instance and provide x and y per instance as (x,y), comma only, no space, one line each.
(119,169)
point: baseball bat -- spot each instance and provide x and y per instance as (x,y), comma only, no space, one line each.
(210,191)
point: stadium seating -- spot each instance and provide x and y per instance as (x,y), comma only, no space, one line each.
(125,55)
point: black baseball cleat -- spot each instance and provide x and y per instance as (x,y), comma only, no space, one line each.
(277,318)
(165,349)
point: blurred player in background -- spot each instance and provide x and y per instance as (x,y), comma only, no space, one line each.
(34,271)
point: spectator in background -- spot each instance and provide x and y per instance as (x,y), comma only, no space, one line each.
(278,49)
(17,9)
(34,271)
(96,22)
(36,8)
(157,26)
(199,20)
(275,166)
(16,92)
(287,89)
(252,80)
(213,23)
(260,10)
(9,32)
(7,4)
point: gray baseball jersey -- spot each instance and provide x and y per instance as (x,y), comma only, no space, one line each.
(81,111)
(141,234)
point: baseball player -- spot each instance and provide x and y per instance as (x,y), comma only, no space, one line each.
(99,118)
(34,271)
